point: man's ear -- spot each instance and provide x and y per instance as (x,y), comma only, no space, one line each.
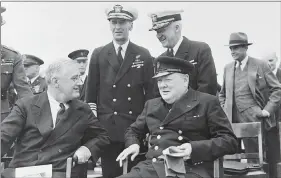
(131,26)
(54,81)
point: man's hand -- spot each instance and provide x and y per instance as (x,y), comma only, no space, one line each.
(82,154)
(132,149)
(265,113)
(183,151)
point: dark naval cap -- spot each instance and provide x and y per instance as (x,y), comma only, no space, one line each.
(81,54)
(167,65)
(164,18)
(121,12)
(29,60)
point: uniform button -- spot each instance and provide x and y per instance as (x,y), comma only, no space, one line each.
(156,148)
(129,85)
(114,100)
(60,151)
(180,132)
(158,137)
(161,128)
(40,151)
(114,86)
(6,72)
(130,112)
(115,113)
(180,138)
(129,99)
(154,160)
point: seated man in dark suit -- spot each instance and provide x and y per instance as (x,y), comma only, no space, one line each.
(191,121)
(52,126)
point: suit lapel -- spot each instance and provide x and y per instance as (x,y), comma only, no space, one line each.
(183,49)
(127,63)
(112,57)
(252,75)
(184,105)
(73,115)
(159,110)
(43,117)
(230,77)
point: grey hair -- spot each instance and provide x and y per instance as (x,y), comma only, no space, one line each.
(57,68)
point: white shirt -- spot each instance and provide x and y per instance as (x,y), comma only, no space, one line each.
(176,47)
(275,71)
(83,77)
(55,107)
(243,63)
(124,48)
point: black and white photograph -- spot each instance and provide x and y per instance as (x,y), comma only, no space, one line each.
(140,89)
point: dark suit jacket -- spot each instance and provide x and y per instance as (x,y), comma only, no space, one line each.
(12,71)
(197,118)
(263,84)
(120,93)
(38,143)
(204,76)
(39,85)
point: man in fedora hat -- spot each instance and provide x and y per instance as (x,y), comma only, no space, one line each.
(81,57)
(12,71)
(119,83)
(189,121)
(32,65)
(250,90)
(168,26)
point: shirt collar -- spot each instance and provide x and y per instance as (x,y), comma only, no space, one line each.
(275,70)
(176,47)
(243,62)
(124,46)
(54,102)
(83,77)
(34,78)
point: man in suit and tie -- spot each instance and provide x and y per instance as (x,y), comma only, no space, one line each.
(168,26)
(191,122)
(119,83)
(53,125)
(32,65)
(250,90)
(81,57)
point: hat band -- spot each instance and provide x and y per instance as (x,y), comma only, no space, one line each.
(175,17)
(238,41)
(170,70)
(121,12)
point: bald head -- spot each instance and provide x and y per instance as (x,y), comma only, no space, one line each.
(271,59)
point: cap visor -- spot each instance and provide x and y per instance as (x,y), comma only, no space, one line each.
(161,74)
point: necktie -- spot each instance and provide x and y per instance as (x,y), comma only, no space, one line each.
(119,55)
(60,113)
(239,66)
(170,52)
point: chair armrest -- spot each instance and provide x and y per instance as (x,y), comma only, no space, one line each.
(125,166)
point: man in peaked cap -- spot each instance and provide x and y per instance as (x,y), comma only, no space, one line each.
(171,118)
(12,71)
(32,68)
(81,57)
(119,83)
(250,91)
(168,27)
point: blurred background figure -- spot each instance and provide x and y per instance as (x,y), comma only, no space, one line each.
(81,57)
(32,68)
(272,60)
(12,71)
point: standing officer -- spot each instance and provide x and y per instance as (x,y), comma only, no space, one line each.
(81,57)
(250,90)
(11,71)
(119,82)
(32,68)
(168,27)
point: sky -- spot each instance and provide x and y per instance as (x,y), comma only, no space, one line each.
(51,30)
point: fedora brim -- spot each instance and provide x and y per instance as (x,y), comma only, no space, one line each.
(238,44)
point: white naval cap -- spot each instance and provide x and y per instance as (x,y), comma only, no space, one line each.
(162,19)
(122,12)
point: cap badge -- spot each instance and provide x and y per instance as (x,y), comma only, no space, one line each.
(117,8)
(154,17)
